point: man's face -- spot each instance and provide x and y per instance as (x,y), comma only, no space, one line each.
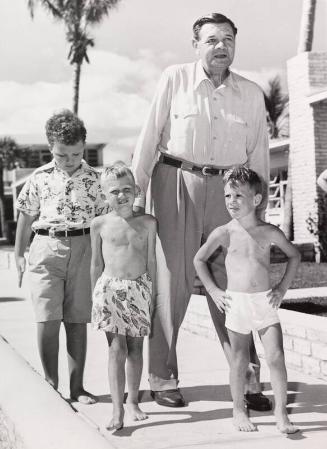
(68,157)
(241,200)
(120,193)
(215,47)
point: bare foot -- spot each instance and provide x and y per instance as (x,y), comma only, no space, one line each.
(116,422)
(241,421)
(83,397)
(135,412)
(284,425)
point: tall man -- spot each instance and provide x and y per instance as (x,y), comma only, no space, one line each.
(203,119)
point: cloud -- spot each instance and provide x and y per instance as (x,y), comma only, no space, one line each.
(114,98)
(261,77)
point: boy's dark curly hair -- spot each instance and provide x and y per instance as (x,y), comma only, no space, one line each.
(240,174)
(65,127)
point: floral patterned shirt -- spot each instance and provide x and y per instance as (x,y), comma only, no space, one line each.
(60,201)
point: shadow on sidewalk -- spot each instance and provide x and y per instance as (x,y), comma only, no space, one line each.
(306,399)
(191,394)
(11,299)
(303,398)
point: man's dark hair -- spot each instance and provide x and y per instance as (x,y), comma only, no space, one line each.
(243,175)
(211,18)
(65,127)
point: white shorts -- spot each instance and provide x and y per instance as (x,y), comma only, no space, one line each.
(250,311)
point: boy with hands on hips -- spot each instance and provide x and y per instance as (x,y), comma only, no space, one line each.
(249,301)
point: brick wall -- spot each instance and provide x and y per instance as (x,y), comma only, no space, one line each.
(307,74)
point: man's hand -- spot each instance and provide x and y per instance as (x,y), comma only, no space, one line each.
(21,266)
(221,299)
(276,296)
(138,210)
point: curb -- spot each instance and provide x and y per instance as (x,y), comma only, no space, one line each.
(41,418)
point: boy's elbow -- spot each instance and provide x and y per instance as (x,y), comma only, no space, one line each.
(196,263)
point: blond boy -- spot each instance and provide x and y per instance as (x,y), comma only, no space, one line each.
(123,271)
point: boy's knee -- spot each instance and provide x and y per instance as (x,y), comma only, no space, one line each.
(275,358)
(240,359)
(118,350)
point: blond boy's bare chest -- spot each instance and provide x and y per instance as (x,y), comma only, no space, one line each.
(126,234)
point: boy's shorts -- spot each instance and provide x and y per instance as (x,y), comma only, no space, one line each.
(59,275)
(250,311)
(122,306)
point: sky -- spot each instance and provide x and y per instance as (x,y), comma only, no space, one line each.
(132,46)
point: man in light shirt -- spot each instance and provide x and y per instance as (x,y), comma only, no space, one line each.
(203,119)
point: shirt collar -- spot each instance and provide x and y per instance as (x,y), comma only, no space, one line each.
(200,76)
(82,168)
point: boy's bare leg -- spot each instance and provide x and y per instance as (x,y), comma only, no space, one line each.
(134,373)
(238,366)
(272,340)
(116,373)
(252,374)
(76,349)
(48,344)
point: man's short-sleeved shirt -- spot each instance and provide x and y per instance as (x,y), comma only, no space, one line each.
(61,201)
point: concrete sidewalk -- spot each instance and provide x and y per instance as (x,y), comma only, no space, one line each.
(205,422)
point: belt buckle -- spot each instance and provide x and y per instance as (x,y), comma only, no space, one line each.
(204,171)
(52,233)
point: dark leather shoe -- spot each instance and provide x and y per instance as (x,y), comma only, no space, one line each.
(258,402)
(168,398)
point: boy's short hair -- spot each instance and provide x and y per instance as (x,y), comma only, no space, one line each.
(65,127)
(116,171)
(244,175)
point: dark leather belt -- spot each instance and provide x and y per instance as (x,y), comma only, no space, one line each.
(66,233)
(205,170)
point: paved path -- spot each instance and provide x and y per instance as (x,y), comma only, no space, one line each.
(204,423)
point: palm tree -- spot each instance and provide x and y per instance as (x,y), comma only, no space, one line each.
(277,109)
(305,44)
(8,154)
(307,26)
(78,16)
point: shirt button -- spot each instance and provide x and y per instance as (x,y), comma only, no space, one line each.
(214,138)
(212,159)
(214,98)
(215,117)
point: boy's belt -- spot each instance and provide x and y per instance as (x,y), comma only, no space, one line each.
(66,233)
(205,170)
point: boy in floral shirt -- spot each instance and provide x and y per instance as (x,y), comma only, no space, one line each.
(57,203)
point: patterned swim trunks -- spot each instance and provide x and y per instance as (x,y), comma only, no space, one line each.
(122,306)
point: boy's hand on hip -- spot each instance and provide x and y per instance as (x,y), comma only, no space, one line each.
(221,299)
(276,296)
(21,267)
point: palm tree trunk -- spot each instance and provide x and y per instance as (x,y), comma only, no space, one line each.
(77,77)
(287,225)
(2,203)
(307,26)
(305,44)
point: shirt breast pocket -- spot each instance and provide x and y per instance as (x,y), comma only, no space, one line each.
(184,120)
(237,134)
